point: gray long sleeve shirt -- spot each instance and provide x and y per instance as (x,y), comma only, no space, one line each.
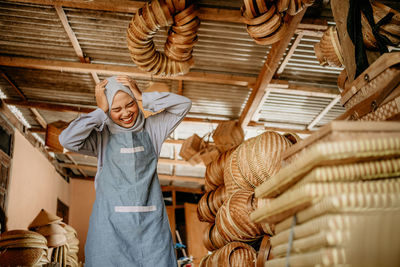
(88,134)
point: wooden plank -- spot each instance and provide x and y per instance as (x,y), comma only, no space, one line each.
(37,130)
(290,53)
(16,89)
(65,66)
(216,14)
(171,219)
(49,106)
(194,233)
(80,166)
(70,32)
(39,117)
(181,178)
(180,87)
(324,112)
(270,67)
(277,129)
(169,188)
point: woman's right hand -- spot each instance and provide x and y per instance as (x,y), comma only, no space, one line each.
(101,98)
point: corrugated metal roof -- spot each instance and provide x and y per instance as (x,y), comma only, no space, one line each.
(281,110)
(304,68)
(33,31)
(216,100)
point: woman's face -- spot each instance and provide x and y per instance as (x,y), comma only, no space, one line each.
(124,110)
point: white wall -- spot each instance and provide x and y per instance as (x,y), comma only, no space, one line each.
(34,184)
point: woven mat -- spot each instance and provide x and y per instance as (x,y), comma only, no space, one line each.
(330,153)
(330,222)
(306,195)
(313,242)
(345,203)
(381,169)
(323,257)
(374,242)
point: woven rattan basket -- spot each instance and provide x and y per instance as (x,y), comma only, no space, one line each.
(233,221)
(235,254)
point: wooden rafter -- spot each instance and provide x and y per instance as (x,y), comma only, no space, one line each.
(277,129)
(16,89)
(71,35)
(290,53)
(324,112)
(39,118)
(66,66)
(48,106)
(74,41)
(269,69)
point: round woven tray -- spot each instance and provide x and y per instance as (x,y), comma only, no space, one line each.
(235,254)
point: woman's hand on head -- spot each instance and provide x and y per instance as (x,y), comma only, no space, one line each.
(101,98)
(131,84)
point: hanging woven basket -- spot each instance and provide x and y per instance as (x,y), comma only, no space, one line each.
(215,171)
(328,51)
(233,218)
(210,203)
(182,36)
(212,239)
(254,161)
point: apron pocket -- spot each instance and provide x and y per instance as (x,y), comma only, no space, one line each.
(135,208)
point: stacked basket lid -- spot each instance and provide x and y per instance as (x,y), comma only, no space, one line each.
(265,19)
(343,171)
(23,248)
(229,199)
(375,94)
(61,238)
(182,36)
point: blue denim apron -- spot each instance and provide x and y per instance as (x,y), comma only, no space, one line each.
(129,224)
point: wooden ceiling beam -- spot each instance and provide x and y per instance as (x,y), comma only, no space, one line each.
(324,112)
(126,6)
(269,69)
(78,67)
(198,180)
(16,89)
(48,106)
(169,188)
(259,125)
(172,178)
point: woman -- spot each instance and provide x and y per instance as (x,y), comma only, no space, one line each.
(128,225)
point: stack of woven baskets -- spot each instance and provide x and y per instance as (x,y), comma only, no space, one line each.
(264,19)
(331,182)
(61,238)
(23,248)
(375,94)
(182,36)
(229,199)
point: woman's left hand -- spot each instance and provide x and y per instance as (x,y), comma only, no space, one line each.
(131,84)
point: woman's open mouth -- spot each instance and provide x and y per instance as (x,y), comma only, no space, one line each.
(127,120)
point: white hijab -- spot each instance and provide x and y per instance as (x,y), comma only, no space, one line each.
(112,87)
